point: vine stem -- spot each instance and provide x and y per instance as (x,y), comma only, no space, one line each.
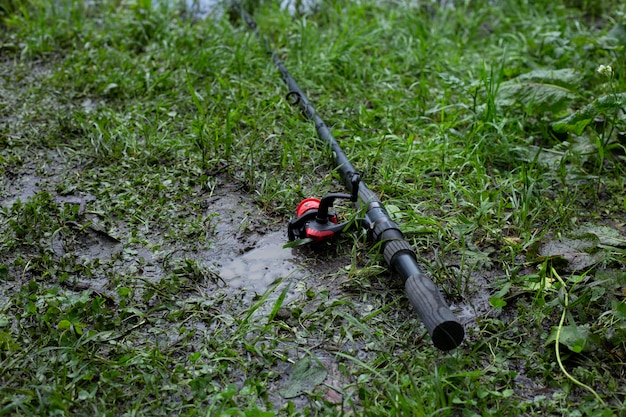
(558,338)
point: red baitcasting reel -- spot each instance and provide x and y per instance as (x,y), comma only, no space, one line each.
(314,219)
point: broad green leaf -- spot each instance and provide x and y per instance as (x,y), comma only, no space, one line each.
(615,36)
(497,302)
(7,343)
(606,235)
(394,212)
(573,336)
(572,254)
(64,325)
(124,291)
(620,310)
(578,121)
(78,328)
(508,393)
(306,374)
(540,90)
(567,77)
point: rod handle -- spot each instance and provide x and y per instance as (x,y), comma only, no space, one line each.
(445,331)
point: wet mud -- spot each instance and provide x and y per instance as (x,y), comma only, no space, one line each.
(245,249)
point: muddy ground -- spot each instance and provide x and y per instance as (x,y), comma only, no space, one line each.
(239,256)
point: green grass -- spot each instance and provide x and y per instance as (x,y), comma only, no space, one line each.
(485,128)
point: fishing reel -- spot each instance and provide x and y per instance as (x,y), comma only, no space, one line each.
(315,221)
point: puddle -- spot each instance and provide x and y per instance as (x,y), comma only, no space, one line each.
(202,9)
(259,268)
(22,188)
(246,249)
(267,267)
(42,171)
(86,243)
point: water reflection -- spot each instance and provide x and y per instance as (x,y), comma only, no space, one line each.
(202,9)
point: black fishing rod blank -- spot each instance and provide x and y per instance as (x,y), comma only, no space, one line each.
(316,222)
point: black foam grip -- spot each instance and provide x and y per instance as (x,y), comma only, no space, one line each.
(446,332)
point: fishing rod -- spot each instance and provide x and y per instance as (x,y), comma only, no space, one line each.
(316,222)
